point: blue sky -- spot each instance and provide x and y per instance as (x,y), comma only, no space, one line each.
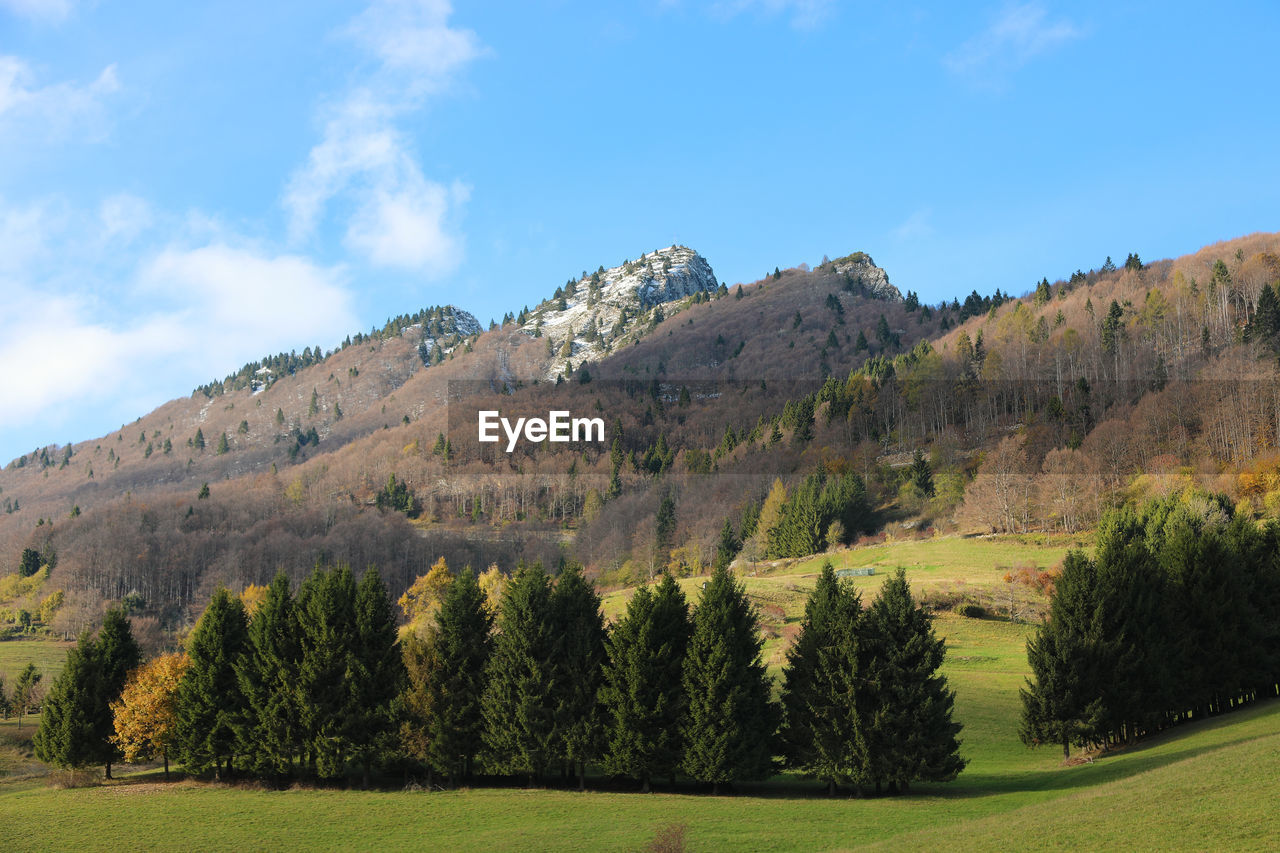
(186,187)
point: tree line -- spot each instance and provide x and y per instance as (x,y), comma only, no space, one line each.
(1176,618)
(318,685)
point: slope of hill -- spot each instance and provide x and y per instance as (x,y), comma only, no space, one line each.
(1009,398)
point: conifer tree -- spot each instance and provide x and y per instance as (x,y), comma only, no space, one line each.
(643,693)
(770,517)
(519,706)
(799,530)
(210,705)
(270,733)
(822,732)
(579,631)
(1056,705)
(1265,323)
(377,673)
(729,729)
(910,734)
(24,692)
(920,475)
(118,654)
(727,547)
(326,614)
(71,723)
(452,722)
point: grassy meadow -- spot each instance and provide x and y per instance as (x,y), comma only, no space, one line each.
(1205,786)
(47,655)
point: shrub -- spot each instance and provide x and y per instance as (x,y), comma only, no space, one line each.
(969,610)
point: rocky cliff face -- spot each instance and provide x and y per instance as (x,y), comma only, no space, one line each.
(861,269)
(590,316)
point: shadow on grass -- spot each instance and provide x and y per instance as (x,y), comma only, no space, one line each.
(1144,756)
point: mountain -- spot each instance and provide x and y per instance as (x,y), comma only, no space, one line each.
(1032,412)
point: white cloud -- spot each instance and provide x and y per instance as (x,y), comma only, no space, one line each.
(61,358)
(92,339)
(408,227)
(917,226)
(804,14)
(124,217)
(30,113)
(1015,37)
(413,36)
(401,219)
(45,11)
(236,303)
(24,235)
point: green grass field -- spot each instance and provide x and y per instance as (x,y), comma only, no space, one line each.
(48,655)
(1206,786)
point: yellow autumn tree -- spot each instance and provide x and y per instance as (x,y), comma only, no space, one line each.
(757,547)
(145,713)
(421,600)
(253,596)
(492,583)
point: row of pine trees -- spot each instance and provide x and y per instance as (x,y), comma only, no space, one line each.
(1176,618)
(319,685)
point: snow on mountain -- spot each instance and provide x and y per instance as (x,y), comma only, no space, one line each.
(601,310)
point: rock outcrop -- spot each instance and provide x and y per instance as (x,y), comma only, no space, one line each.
(588,317)
(862,270)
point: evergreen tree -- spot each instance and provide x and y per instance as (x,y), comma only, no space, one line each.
(664,526)
(519,700)
(579,632)
(118,654)
(861,345)
(1042,292)
(1265,323)
(29,563)
(71,732)
(377,672)
(224,445)
(729,729)
(909,732)
(1058,706)
(270,734)
(210,705)
(920,475)
(643,694)
(821,697)
(326,614)
(198,441)
(24,692)
(727,547)
(799,531)
(1112,327)
(451,717)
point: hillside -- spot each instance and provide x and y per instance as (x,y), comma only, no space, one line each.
(1033,413)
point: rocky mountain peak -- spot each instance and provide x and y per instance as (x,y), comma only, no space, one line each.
(859,268)
(589,316)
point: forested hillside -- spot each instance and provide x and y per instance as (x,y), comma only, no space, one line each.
(747,421)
